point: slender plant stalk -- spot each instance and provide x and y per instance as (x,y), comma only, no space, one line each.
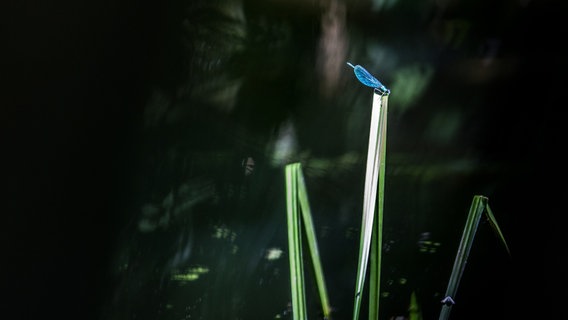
(495,226)
(295,245)
(297,198)
(375,168)
(377,237)
(312,244)
(478,206)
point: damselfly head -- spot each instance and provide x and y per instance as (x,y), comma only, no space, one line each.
(382,91)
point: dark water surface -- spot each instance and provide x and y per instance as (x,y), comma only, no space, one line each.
(145,147)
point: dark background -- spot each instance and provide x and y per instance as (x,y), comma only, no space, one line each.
(76,79)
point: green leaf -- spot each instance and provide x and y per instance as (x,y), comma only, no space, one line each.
(371,228)
(297,199)
(495,226)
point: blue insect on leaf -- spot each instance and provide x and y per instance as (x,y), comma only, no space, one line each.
(368,79)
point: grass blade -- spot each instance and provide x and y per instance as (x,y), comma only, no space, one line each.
(312,243)
(375,157)
(377,236)
(495,226)
(478,206)
(297,199)
(295,244)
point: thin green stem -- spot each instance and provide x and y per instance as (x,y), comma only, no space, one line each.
(478,206)
(297,199)
(375,160)
(312,244)
(295,244)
